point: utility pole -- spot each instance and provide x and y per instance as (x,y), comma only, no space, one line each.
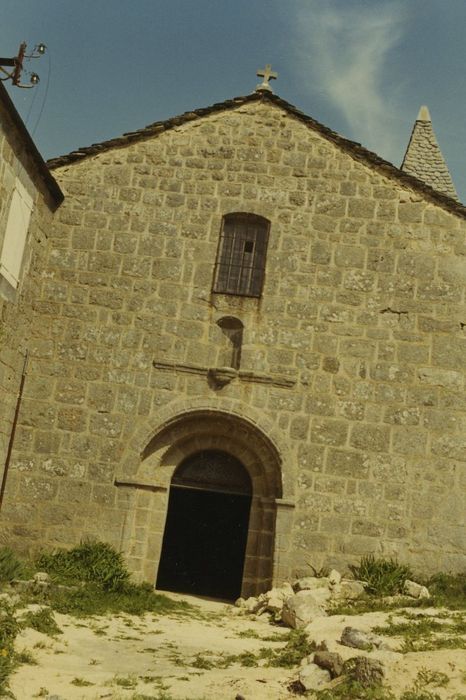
(17,63)
(13,429)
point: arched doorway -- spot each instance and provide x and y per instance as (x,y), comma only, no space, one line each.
(206,530)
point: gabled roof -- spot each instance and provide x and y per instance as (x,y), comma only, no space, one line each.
(424,159)
(30,147)
(355,149)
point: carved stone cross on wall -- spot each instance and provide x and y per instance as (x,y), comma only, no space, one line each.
(267,74)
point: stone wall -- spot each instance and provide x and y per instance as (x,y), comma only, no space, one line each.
(351,385)
(16,306)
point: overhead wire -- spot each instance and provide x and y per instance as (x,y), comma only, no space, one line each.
(44,100)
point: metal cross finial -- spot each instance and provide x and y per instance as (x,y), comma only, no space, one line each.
(267,74)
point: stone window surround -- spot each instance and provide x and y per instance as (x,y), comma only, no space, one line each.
(253,231)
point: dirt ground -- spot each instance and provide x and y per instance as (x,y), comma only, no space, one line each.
(119,656)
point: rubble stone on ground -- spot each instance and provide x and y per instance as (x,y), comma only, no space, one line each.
(331,661)
(334,577)
(312,676)
(367,672)
(348,589)
(415,590)
(309,583)
(357,639)
(300,609)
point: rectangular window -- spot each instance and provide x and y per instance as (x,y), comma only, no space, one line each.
(16,230)
(240,266)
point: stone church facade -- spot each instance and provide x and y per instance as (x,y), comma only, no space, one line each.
(239,301)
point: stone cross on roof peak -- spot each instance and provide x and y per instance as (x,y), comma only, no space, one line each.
(267,74)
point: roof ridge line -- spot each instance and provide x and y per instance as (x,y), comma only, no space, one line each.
(356,149)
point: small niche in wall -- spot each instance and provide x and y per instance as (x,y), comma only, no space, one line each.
(230,352)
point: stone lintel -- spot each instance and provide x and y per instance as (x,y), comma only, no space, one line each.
(145,486)
(285,503)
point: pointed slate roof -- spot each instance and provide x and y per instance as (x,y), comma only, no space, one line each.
(424,159)
(354,149)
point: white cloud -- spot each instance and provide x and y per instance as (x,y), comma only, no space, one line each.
(345,49)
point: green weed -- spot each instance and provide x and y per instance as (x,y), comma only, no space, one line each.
(418,694)
(425,633)
(129,681)
(42,621)
(382,577)
(432,644)
(9,628)
(25,657)
(81,682)
(40,645)
(252,634)
(448,590)
(204,662)
(248,634)
(91,561)
(91,599)
(413,628)
(435,678)
(349,689)
(10,566)
(424,678)
(321,572)
(368,603)
(296,648)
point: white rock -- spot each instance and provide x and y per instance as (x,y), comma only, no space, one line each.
(299,610)
(415,590)
(309,583)
(287,589)
(252,605)
(352,637)
(334,577)
(357,639)
(9,599)
(41,577)
(347,589)
(309,659)
(275,598)
(311,676)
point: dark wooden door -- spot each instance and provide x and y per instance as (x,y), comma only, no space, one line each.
(204,543)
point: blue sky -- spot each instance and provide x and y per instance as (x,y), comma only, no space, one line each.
(362,67)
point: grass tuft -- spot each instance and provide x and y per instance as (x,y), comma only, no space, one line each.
(81,682)
(26,657)
(448,590)
(423,633)
(42,621)
(10,566)
(352,689)
(91,561)
(9,628)
(91,599)
(382,577)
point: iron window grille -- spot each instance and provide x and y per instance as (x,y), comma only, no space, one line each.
(240,265)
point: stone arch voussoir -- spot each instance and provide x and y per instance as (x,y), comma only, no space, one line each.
(178,412)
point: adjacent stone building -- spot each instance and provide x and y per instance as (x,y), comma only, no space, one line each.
(28,197)
(247,356)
